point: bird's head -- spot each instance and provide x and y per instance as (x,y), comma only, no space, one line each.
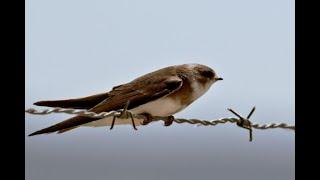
(203,74)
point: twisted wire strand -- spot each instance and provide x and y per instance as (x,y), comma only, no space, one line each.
(157,118)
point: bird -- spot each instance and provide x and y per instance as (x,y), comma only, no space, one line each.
(163,93)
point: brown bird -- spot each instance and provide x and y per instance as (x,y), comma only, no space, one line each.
(160,93)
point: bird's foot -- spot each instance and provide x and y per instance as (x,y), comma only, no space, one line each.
(169,121)
(147,118)
(124,114)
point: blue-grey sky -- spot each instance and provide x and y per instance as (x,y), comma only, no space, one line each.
(76,48)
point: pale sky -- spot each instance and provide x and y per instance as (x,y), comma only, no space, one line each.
(78,48)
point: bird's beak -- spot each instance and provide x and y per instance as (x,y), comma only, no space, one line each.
(219,79)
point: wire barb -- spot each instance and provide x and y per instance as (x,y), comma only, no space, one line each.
(244,122)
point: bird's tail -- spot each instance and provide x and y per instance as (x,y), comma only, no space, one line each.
(66,125)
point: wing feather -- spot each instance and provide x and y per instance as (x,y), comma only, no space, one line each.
(79,103)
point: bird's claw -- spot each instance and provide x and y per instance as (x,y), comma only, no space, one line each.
(169,121)
(147,118)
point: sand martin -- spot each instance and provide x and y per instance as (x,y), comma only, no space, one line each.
(160,93)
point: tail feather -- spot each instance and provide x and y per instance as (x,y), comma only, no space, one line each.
(64,126)
(67,129)
(80,103)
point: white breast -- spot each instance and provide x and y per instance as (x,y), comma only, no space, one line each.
(161,107)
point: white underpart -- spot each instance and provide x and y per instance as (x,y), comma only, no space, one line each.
(161,107)
(167,106)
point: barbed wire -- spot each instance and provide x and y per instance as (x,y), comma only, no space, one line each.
(156,118)
(240,121)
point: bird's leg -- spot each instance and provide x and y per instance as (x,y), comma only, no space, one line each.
(169,121)
(124,114)
(132,119)
(147,119)
(113,120)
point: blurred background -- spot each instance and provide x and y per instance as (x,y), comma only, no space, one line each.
(78,48)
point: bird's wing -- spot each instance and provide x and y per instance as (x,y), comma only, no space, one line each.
(79,103)
(137,92)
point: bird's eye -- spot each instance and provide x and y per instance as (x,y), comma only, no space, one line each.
(207,74)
